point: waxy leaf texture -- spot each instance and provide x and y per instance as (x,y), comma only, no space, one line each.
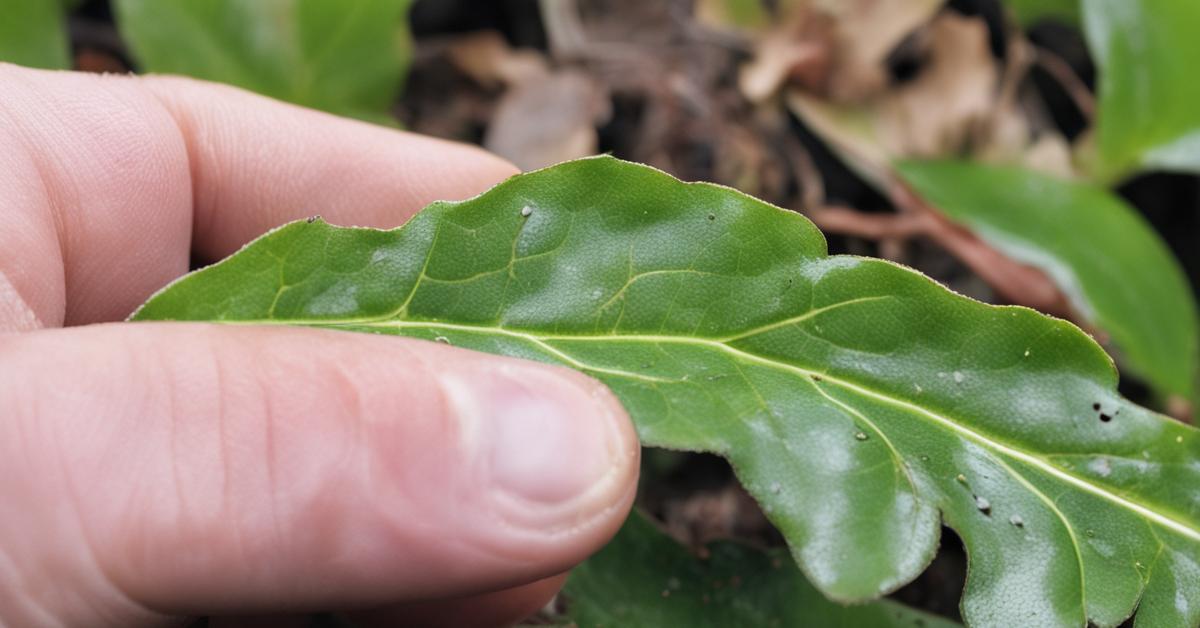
(860,402)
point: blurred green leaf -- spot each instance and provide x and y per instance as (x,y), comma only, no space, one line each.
(1029,12)
(862,404)
(1146,52)
(1110,263)
(643,578)
(33,34)
(343,57)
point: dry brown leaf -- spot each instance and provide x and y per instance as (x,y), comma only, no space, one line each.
(796,53)
(487,58)
(544,121)
(866,31)
(932,115)
(836,48)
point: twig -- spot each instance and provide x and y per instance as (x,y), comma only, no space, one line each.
(846,221)
(1012,280)
(1062,72)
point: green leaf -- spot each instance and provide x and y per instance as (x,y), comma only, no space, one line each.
(860,402)
(344,57)
(1146,52)
(644,578)
(1029,12)
(1116,271)
(33,34)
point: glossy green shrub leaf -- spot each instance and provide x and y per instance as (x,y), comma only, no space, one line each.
(33,33)
(1149,101)
(344,57)
(860,402)
(1030,12)
(644,579)
(1106,258)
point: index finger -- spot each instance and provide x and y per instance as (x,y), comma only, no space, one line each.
(111,182)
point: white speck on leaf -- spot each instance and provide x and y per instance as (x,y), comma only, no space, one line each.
(776,487)
(860,436)
(337,299)
(958,377)
(1100,466)
(442,339)
(983,504)
(1017,521)
(526,211)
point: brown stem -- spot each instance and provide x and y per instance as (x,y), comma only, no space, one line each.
(1062,72)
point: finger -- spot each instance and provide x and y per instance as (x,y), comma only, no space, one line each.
(195,469)
(485,610)
(108,181)
(257,163)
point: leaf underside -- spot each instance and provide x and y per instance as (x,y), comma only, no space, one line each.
(345,58)
(860,402)
(644,579)
(1147,114)
(1118,273)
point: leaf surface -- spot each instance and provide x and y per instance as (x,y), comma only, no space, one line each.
(1117,272)
(643,578)
(346,58)
(33,33)
(860,402)
(1146,52)
(1029,12)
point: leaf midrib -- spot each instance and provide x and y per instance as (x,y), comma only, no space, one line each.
(979,438)
(543,341)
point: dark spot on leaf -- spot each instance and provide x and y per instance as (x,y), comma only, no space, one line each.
(1096,407)
(1105,418)
(311,219)
(815,378)
(712,216)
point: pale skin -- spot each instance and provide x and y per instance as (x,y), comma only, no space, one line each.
(150,473)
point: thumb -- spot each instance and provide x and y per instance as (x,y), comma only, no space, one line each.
(175,469)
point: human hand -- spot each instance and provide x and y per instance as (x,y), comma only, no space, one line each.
(150,472)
